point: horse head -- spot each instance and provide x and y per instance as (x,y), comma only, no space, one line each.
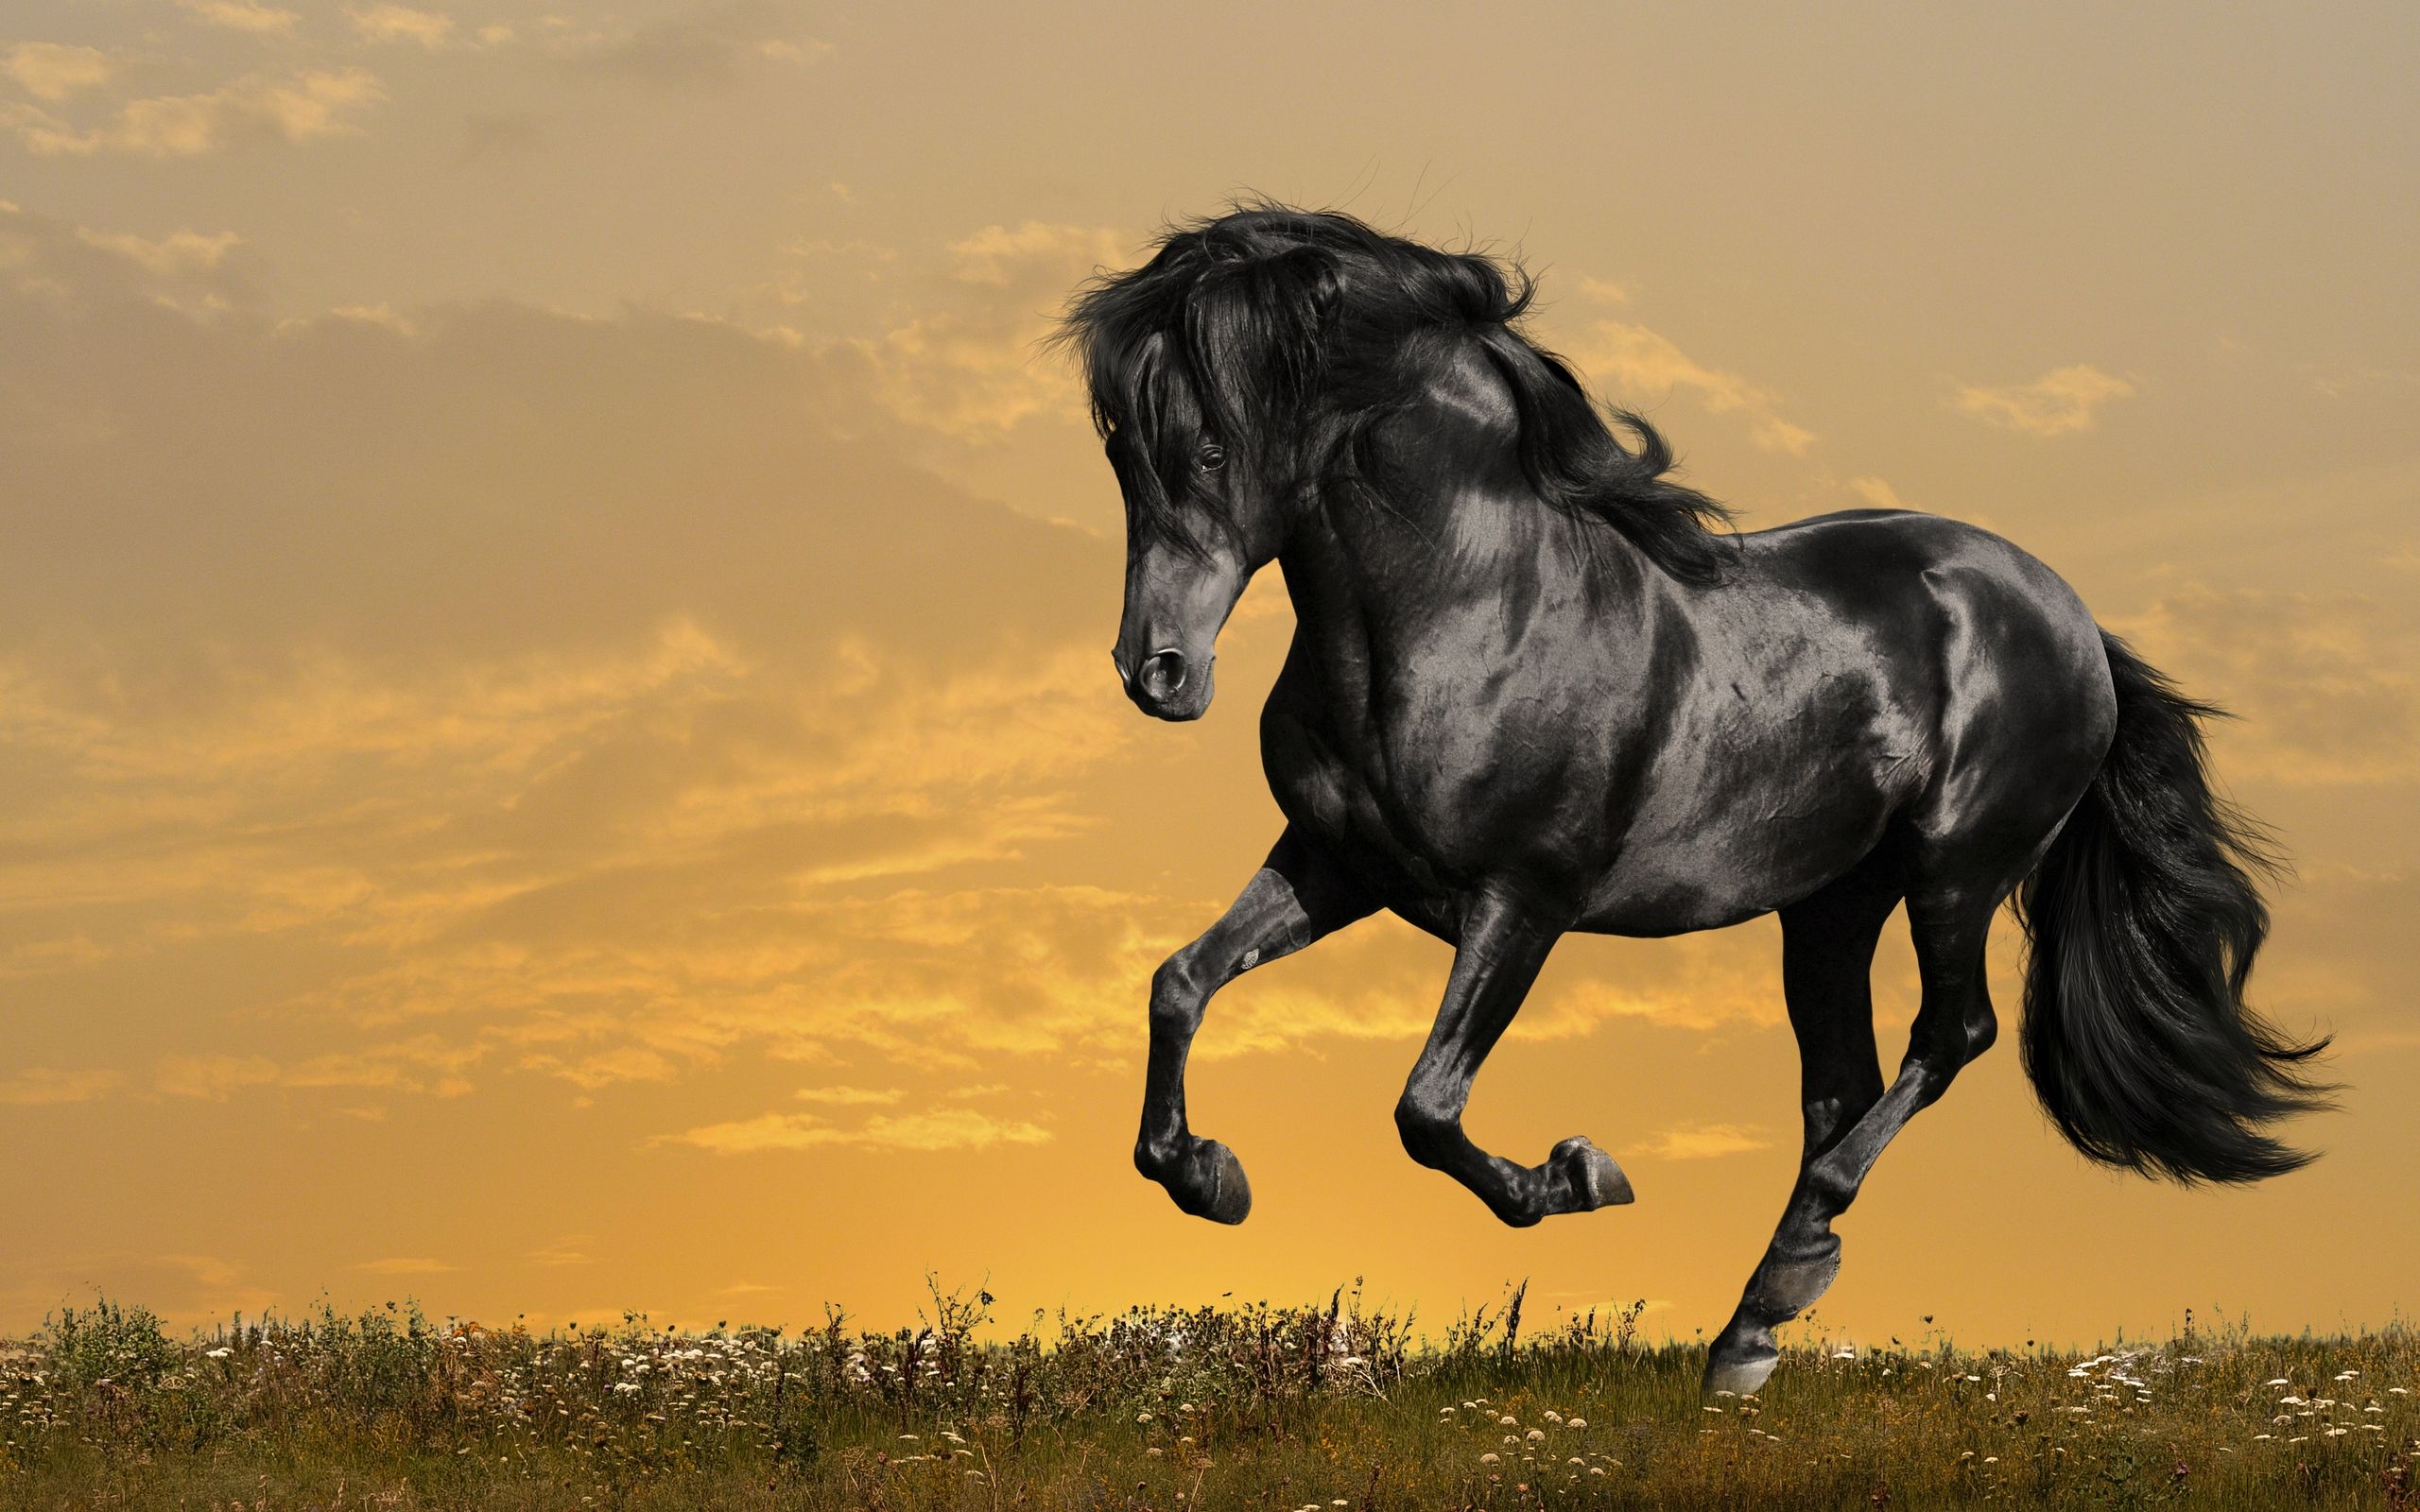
(1205,366)
(1200,521)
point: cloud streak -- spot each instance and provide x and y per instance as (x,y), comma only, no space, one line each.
(305,106)
(1635,366)
(242,15)
(2059,402)
(52,71)
(947,1128)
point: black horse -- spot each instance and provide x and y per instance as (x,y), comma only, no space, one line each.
(1534,687)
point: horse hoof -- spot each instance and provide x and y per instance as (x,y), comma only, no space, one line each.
(1741,1373)
(1223,1195)
(1596,1180)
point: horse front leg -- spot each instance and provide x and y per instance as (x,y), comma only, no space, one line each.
(1297,897)
(1501,949)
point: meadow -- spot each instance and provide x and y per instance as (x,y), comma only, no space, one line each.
(1340,1405)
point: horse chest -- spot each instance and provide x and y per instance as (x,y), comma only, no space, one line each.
(1423,815)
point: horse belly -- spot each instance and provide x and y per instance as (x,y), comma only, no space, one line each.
(1729,862)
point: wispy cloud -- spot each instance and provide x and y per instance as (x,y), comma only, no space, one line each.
(972,364)
(1877,492)
(405,1265)
(43,1085)
(54,70)
(390,23)
(306,107)
(2061,401)
(572,1250)
(426,1064)
(180,252)
(525,811)
(2326,686)
(705,48)
(1636,366)
(242,15)
(948,1128)
(850,1096)
(1705,1142)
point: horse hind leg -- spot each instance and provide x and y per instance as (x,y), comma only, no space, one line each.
(1950,922)
(1827,959)
(1954,1024)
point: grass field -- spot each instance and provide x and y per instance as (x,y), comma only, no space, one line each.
(1249,1406)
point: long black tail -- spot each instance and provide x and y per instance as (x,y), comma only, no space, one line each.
(2144,918)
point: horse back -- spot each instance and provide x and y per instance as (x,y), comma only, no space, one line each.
(1863,681)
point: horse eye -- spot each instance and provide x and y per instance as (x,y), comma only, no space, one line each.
(1211,458)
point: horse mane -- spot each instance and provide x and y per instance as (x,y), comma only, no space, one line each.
(1290,332)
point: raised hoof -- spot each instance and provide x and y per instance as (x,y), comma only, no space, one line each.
(1596,1180)
(1741,1370)
(1210,1184)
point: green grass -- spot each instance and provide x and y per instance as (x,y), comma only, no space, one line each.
(1253,1406)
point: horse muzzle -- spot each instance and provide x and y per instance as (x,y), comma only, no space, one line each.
(1168,684)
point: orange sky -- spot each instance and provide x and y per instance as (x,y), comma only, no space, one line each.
(557,747)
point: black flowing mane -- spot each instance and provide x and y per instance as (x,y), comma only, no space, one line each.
(1287,333)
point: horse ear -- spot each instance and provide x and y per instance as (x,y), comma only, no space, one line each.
(1323,286)
(1327,289)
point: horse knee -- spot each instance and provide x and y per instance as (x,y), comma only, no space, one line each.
(1429,1128)
(1177,995)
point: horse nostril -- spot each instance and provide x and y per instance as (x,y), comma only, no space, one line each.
(1162,676)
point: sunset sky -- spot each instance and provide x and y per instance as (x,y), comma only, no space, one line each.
(557,747)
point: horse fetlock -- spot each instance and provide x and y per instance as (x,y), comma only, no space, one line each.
(1156,1158)
(1428,1135)
(1983,1027)
(1791,1280)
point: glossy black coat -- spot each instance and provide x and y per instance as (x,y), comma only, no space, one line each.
(1531,692)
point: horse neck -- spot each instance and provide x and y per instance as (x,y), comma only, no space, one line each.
(1374,576)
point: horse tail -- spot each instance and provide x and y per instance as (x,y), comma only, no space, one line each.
(2144,918)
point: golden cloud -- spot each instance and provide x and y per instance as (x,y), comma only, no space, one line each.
(176,254)
(2325,685)
(388,22)
(946,1128)
(704,49)
(316,103)
(591,747)
(1705,1142)
(39,1085)
(242,15)
(2061,401)
(1635,364)
(53,71)
(974,366)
